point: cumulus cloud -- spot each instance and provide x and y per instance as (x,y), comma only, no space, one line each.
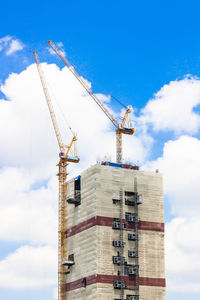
(180,165)
(4,41)
(182,254)
(33,134)
(29,267)
(27,214)
(10,44)
(173,107)
(14,46)
(55,293)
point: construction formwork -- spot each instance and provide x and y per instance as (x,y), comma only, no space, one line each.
(115,235)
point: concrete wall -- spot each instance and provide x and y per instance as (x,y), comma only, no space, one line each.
(91,242)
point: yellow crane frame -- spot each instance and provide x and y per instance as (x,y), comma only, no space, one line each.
(62,177)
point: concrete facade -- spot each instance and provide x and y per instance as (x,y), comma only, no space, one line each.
(90,235)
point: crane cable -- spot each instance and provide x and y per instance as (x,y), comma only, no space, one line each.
(95,83)
(60,109)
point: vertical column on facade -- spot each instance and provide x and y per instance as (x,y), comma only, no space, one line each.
(121,245)
(118,223)
(136,242)
(133,199)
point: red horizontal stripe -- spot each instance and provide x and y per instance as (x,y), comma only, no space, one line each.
(130,281)
(81,227)
(80,283)
(152,281)
(107,221)
(155,226)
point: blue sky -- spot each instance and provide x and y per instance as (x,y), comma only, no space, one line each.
(146,54)
(130,48)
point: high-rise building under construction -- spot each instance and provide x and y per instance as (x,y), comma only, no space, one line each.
(115,234)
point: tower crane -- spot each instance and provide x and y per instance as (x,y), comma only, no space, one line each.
(120,128)
(64,157)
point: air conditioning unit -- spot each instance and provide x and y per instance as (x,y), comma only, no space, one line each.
(116,219)
(133,270)
(139,199)
(75,201)
(132,236)
(66,262)
(129,202)
(118,260)
(119,284)
(116,225)
(131,218)
(118,244)
(132,253)
(116,201)
(132,297)
(130,194)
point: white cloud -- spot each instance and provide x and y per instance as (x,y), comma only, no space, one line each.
(33,134)
(29,267)
(4,41)
(55,293)
(27,214)
(182,254)
(180,165)
(15,45)
(10,44)
(172,108)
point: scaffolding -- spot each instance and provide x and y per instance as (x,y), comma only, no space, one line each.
(131,199)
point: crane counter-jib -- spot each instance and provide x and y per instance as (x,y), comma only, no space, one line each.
(124,130)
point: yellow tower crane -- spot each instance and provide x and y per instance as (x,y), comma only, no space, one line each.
(120,128)
(62,176)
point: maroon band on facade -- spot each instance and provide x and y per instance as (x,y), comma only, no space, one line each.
(107,221)
(130,281)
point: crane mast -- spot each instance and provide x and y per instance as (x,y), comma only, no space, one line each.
(120,129)
(62,177)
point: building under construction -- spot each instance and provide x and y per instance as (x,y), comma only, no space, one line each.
(115,234)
